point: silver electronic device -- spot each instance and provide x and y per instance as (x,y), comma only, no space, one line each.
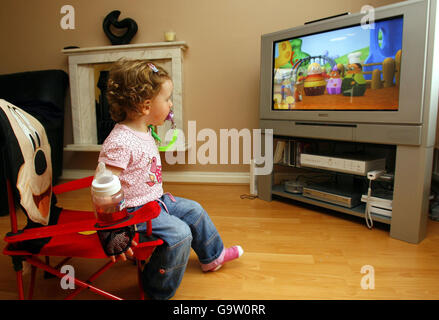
(333,194)
(359,165)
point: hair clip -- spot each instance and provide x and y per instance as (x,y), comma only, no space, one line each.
(153,67)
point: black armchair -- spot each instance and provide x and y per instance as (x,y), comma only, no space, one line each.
(41,94)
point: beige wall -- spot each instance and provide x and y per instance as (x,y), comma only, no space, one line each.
(221,66)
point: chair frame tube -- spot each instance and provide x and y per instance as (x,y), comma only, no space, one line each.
(39,264)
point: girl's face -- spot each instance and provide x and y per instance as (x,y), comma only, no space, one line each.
(161,104)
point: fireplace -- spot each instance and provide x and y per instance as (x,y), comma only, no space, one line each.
(90,118)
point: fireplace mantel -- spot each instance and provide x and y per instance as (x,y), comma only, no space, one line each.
(82,62)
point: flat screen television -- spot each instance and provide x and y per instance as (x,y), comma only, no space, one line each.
(348,71)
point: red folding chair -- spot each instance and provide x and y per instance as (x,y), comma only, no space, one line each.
(52,231)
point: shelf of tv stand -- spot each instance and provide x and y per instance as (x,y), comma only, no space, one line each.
(356,211)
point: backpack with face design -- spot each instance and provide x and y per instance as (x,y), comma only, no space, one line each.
(28,167)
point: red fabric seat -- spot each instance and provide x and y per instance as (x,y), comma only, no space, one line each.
(74,244)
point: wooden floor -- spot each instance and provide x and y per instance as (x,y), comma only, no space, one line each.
(292,251)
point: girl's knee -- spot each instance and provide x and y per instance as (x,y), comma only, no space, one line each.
(197,212)
(183,235)
(190,211)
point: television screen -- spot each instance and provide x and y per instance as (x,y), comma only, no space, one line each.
(351,68)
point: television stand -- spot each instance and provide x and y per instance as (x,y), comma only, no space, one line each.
(411,168)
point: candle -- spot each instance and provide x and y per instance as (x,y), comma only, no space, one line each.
(170,36)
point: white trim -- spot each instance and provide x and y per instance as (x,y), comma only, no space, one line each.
(177,176)
(126,46)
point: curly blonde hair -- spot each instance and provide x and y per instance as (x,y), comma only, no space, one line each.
(130,83)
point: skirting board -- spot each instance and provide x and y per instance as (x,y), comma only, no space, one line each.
(184,176)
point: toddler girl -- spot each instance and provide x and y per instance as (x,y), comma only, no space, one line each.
(139,94)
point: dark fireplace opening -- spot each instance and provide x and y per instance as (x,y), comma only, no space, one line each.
(103,120)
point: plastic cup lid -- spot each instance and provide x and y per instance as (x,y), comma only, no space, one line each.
(106,185)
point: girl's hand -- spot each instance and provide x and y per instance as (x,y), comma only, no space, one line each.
(122,255)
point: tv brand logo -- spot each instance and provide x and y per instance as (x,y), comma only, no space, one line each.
(207,153)
(368,21)
(67,21)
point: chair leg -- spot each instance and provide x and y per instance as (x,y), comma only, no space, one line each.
(20,284)
(48,275)
(17,263)
(32,282)
(139,279)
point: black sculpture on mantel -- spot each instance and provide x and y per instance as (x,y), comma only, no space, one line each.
(128,23)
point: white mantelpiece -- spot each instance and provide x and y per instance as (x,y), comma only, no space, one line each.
(82,83)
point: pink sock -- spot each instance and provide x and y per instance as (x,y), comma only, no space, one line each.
(228,254)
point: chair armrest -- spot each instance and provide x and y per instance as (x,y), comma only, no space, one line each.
(51,231)
(147,212)
(73,185)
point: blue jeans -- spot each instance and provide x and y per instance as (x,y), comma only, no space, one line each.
(183,225)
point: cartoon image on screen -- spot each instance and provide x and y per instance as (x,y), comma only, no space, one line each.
(353,68)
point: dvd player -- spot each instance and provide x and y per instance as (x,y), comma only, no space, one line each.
(353,164)
(333,194)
